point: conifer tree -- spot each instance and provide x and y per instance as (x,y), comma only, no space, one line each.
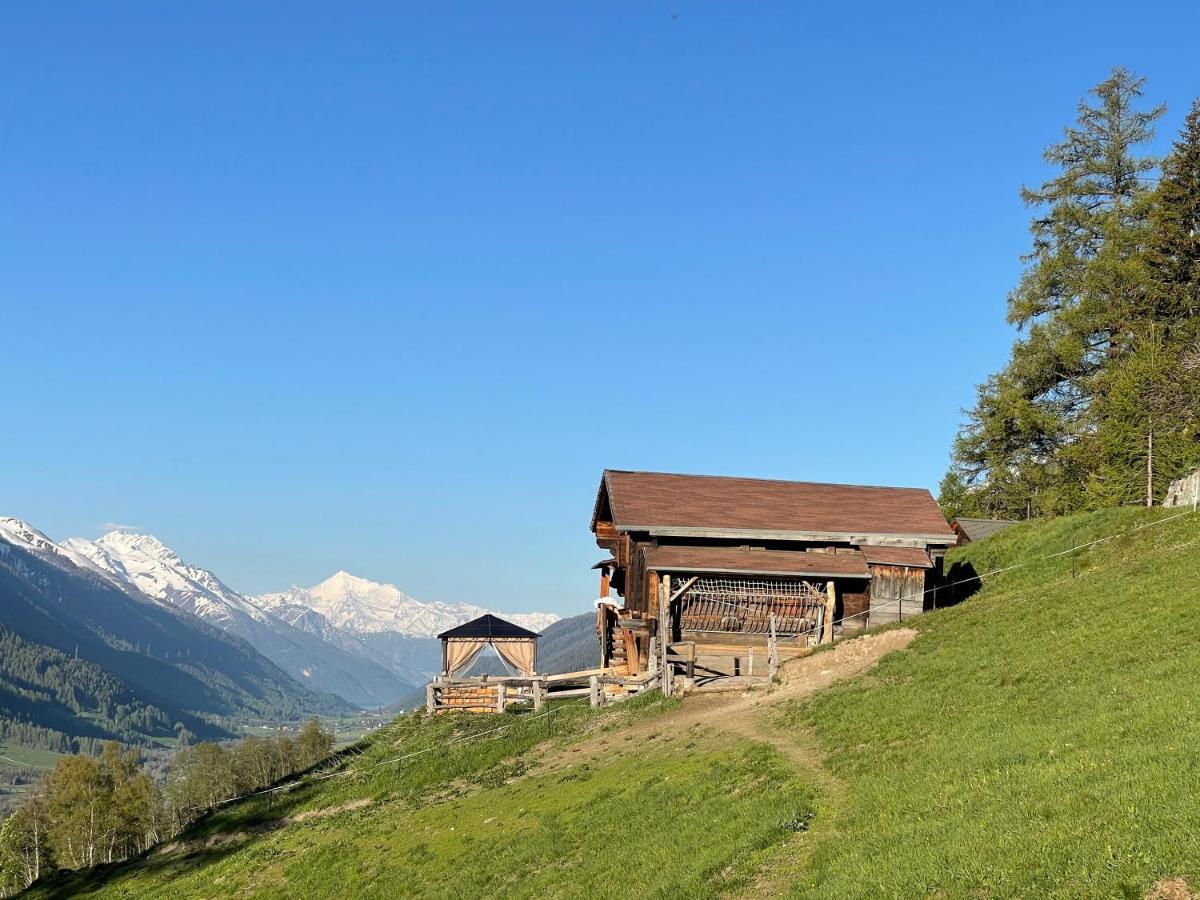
(1078,305)
(1147,431)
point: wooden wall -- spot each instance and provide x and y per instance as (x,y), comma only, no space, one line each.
(888,585)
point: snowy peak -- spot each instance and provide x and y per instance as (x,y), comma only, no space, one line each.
(22,534)
(361,606)
(157,570)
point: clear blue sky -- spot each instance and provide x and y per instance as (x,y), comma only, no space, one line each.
(384,287)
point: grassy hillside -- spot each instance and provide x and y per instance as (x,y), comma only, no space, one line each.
(498,815)
(1037,740)
(1040,739)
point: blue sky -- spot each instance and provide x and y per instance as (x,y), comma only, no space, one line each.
(384,287)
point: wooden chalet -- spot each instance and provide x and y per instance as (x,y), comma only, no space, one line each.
(730,575)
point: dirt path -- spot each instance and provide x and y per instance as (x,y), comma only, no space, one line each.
(747,714)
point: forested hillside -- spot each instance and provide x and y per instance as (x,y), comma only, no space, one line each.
(1100,403)
(84,660)
(73,702)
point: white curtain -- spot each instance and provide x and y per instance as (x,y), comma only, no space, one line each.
(520,653)
(461,652)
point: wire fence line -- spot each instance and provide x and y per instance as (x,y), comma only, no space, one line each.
(920,595)
(343,773)
(990,574)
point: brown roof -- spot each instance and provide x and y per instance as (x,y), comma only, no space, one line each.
(756,562)
(913,557)
(978,529)
(681,504)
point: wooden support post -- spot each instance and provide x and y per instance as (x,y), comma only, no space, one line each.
(830,604)
(772,652)
(604,634)
(632,661)
(602,618)
(537,694)
(500,697)
(429,699)
(664,631)
(594,690)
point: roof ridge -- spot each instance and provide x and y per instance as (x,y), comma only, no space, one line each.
(885,487)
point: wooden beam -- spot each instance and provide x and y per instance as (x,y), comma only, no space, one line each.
(830,605)
(688,585)
(582,673)
(664,630)
(773,651)
(632,663)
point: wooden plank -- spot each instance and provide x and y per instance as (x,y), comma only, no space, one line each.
(582,673)
(687,586)
(632,663)
(664,631)
(772,652)
(830,606)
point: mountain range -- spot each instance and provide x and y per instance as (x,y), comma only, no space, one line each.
(345,639)
(85,656)
(148,565)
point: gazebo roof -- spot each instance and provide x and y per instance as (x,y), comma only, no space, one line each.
(487,627)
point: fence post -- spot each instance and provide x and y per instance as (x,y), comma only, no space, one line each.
(772,652)
(664,629)
(830,605)
(500,698)
(594,690)
(430,703)
(537,694)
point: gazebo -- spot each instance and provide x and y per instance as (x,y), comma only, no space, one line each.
(461,645)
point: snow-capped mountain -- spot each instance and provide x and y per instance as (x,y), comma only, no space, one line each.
(365,607)
(139,668)
(21,534)
(156,570)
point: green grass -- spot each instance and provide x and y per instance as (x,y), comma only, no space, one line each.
(1037,740)
(14,758)
(676,815)
(1040,739)
(28,757)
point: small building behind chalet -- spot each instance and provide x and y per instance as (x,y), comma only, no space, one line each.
(718,567)
(977,529)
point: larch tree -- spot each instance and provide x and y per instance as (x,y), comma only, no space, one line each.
(1076,306)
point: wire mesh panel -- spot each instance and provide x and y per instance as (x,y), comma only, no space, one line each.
(744,605)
